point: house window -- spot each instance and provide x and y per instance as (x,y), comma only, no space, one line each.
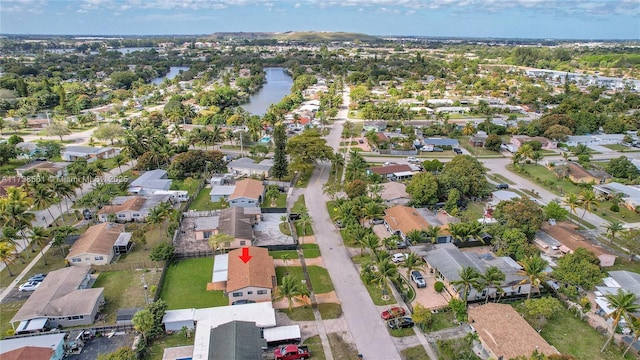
(243,243)
(136,215)
(237,294)
(99,258)
(249,292)
(519,288)
(206,234)
(122,215)
(76,260)
(227,244)
(76,317)
(262,292)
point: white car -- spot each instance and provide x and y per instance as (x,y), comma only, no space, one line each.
(399,257)
(412,159)
(29,286)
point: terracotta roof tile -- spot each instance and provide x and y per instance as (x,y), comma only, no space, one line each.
(248,188)
(259,271)
(405,219)
(98,239)
(133,204)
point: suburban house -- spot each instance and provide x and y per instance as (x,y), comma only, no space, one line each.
(505,334)
(99,244)
(626,281)
(248,193)
(477,141)
(446,261)
(221,192)
(131,208)
(65,298)
(254,280)
(401,220)
(453,143)
(580,175)
(519,140)
(91,154)
(563,238)
(205,226)
(9,182)
(597,139)
(248,166)
(237,222)
(42,347)
(57,169)
(630,193)
(394,193)
(236,340)
(150,182)
(393,171)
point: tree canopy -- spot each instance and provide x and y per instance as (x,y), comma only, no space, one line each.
(466,174)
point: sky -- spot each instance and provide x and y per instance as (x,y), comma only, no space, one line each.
(553,19)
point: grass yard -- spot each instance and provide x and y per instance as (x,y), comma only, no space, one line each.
(203,202)
(299,206)
(442,320)
(623,263)
(9,169)
(310,251)
(315,347)
(124,289)
(185,285)
(341,349)
(293,271)
(54,259)
(284,228)
(545,178)
(304,179)
(376,295)
(401,332)
(281,254)
(320,279)
(621,148)
(8,311)
(157,347)
(330,310)
(188,184)
(301,313)
(500,179)
(414,353)
(572,336)
(140,253)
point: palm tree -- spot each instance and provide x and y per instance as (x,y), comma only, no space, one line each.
(63,190)
(533,268)
(572,200)
(634,323)
(40,236)
(8,254)
(432,232)
(536,156)
(304,221)
(588,200)
(492,277)
(371,241)
(412,262)
(119,160)
(623,305)
(416,236)
(386,271)
(469,277)
(372,210)
(613,227)
(468,129)
(43,198)
(291,289)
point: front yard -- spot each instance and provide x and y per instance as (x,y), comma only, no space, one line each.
(320,280)
(185,285)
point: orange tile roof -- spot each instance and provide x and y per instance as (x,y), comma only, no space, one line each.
(9,182)
(258,272)
(134,204)
(405,219)
(505,333)
(390,169)
(28,352)
(98,239)
(248,188)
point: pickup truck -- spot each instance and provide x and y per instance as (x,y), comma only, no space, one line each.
(291,352)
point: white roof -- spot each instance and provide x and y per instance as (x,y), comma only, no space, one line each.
(282,333)
(221,268)
(222,190)
(261,313)
(403,173)
(49,341)
(178,315)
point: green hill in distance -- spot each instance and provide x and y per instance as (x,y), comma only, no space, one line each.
(310,36)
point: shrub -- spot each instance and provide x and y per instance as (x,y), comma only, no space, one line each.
(438,286)
(615,208)
(162,251)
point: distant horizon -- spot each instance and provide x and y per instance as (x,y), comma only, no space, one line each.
(523,19)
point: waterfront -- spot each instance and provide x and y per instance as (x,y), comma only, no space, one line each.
(277,86)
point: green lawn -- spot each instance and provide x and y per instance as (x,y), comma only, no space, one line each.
(203,202)
(341,349)
(7,311)
(153,237)
(293,271)
(442,320)
(123,289)
(572,336)
(401,332)
(290,254)
(157,347)
(300,313)
(315,347)
(303,180)
(189,184)
(414,353)
(621,148)
(477,151)
(330,310)
(185,285)
(299,206)
(310,251)
(320,279)
(376,295)
(542,176)
(10,168)
(54,259)
(623,263)
(500,179)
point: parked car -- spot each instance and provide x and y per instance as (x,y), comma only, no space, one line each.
(29,286)
(400,323)
(502,186)
(457,151)
(377,221)
(417,278)
(437,149)
(360,141)
(37,277)
(390,163)
(399,257)
(413,159)
(291,352)
(242,302)
(393,312)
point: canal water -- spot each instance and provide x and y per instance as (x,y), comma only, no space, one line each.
(173,72)
(277,86)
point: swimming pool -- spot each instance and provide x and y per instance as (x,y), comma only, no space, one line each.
(265,139)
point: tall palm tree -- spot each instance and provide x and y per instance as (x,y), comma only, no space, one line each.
(492,277)
(372,210)
(43,198)
(533,268)
(120,159)
(386,271)
(371,241)
(304,221)
(8,254)
(468,129)
(613,227)
(572,200)
(432,232)
(63,190)
(634,324)
(588,200)
(416,236)
(623,305)
(60,235)
(469,277)
(40,236)
(412,262)
(291,289)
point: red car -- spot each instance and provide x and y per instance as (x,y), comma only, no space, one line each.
(392,313)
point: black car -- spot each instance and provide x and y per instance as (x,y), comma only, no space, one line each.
(502,186)
(457,151)
(242,302)
(400,323)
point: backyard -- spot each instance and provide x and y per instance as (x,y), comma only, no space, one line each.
(185,285)
(203,202)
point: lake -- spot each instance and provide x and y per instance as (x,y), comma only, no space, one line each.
(277,86)
(173,72)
